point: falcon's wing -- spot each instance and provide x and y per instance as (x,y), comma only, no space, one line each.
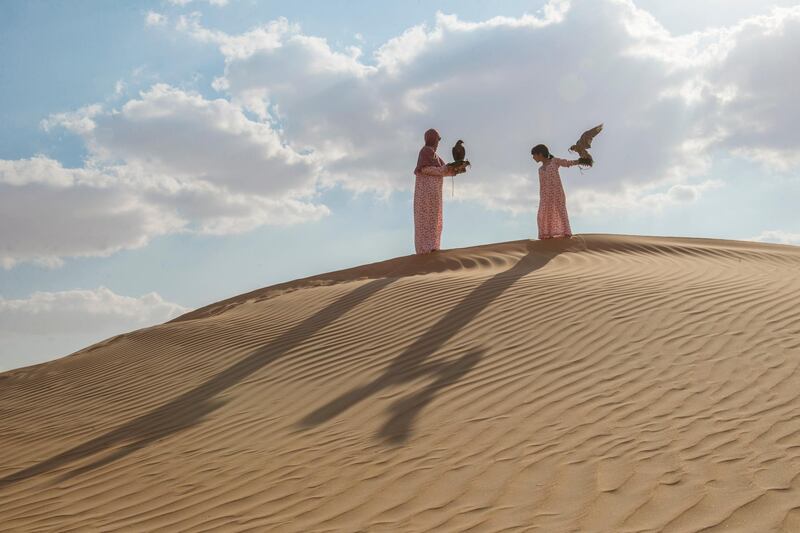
(586,138)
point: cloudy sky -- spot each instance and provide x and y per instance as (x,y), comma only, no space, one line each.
(161,155)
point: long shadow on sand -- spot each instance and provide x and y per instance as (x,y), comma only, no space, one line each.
(191,407)
(412,363)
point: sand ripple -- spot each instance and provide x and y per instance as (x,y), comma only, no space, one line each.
(608,383)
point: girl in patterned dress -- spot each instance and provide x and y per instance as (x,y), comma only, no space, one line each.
(552,218)
(430,173)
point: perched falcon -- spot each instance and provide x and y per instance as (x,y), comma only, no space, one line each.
(459,163)
(458,151)
(585,142)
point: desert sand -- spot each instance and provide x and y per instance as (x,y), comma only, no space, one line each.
(605,383)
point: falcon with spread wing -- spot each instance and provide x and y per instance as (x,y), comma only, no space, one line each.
(584,143)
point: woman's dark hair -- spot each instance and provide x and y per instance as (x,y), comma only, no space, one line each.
(541,150)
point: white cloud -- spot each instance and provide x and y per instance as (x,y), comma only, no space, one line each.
(51,324)
(646,198)
(506,83)
(155,19)
(83,310)
(263,38)
(48,212)
(773,159)
(298,116)
(491,83)
(761,120)
(173,132)
(164,162)
(80,121)
(777,236)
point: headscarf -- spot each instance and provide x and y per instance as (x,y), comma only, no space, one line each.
(427,156)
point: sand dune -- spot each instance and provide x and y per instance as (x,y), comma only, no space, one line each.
(607,383)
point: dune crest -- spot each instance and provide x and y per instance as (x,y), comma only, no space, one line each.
(606,383)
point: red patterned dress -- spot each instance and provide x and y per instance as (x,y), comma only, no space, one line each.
(428,208)
(552,218)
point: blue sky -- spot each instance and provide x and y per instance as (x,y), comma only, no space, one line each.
(159,156)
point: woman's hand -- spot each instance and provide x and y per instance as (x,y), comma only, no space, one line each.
(451,171)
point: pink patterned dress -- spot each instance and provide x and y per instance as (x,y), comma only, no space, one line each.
(428,208)
(552,218)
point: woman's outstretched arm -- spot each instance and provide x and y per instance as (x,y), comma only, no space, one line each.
(436,172)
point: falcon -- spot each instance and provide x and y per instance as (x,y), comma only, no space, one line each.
(459,163)
(459,152)
(584,143)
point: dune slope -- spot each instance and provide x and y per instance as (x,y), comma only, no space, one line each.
(607,383)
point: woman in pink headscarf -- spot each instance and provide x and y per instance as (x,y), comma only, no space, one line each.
(430,172)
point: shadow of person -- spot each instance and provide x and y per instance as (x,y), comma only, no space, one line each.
(191,407)
(412,363)
(399,427)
